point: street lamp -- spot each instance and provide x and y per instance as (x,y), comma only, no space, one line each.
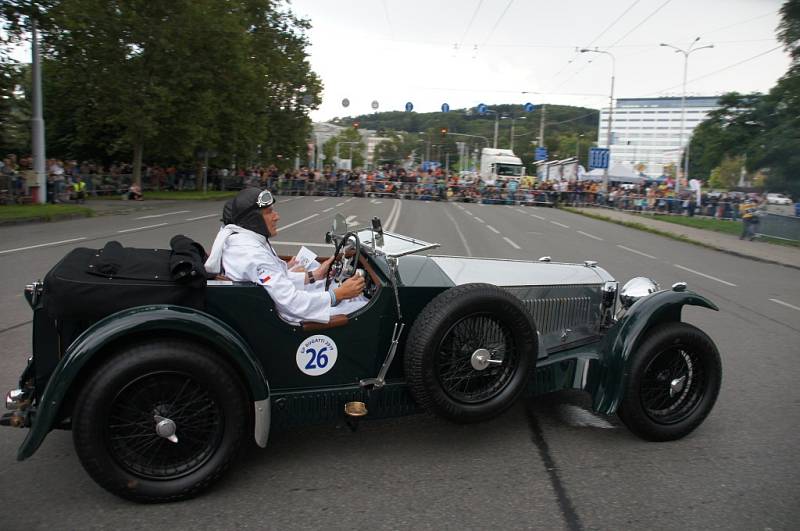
(578,148)
(686,54)
(610,108)
(513,119)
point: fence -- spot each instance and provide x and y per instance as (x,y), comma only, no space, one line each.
(778,226)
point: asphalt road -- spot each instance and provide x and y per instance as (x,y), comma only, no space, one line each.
(547,464)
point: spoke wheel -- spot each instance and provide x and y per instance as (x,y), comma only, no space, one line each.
(470,353)
(159,421)
(674,378)
(459,379)
(132,435)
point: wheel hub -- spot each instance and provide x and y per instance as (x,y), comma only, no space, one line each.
(482,358)
(166,428)
(676,386)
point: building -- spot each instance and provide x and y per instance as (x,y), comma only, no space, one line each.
(646,132)
(321,132)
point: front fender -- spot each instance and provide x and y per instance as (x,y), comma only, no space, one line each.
(607,376)
(142,320)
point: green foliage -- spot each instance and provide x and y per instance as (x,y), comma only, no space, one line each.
(789,28)
(727,174)
(174,79)
(355,146)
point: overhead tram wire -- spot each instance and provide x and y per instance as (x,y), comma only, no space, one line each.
(388,20)
(469,26)
(637,26)
(576,54)
(717,71)
(503,14)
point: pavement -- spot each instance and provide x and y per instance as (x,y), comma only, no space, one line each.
(727,243)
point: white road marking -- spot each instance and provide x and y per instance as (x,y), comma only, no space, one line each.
(328,209)
(459,207)
(350,219)
(349,200)
(637,252)
(143,228)
(704,275)
(162,215)
(492,229)
(559,224)
(202,217)
(577,416)
(520,211)
(479,219)
(467,212)
(460,234)
(512,244)
(320,199)
(538,217)
(792,306)
(393,225)
(598,238)
(340,204)
(284,227)
(42,245)
(376,202)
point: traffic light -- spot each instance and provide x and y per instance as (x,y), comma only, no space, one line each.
(356,124)
(443,132)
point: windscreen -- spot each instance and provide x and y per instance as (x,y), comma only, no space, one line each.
(509,170)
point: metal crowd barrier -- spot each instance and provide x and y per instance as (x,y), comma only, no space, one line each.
(778,226)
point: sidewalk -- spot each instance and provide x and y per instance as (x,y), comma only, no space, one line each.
(756,250)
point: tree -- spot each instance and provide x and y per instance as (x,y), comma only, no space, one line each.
(727,174)
(355,146)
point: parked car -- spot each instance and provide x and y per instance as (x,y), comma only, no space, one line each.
(162,376)
(778,199)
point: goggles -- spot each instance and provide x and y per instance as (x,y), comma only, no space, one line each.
(265,199)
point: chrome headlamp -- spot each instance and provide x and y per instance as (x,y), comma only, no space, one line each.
(635,289)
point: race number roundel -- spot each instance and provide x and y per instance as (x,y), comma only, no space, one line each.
(316,355)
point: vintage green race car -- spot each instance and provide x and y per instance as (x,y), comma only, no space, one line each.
(161,380)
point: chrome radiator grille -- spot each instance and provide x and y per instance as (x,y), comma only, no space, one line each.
(556,314)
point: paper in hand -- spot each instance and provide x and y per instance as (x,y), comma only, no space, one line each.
(307,258)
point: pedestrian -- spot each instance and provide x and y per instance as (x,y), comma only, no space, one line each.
(749,220)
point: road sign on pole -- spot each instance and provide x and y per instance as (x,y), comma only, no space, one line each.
(529,107)
(409,107)
(598,157)
(375,105)
(482,108)
(541,153)
(445,107)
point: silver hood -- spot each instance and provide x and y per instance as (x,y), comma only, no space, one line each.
(507,273)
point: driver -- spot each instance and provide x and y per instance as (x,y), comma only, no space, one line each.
(242,252)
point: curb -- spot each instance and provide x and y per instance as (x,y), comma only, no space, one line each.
(679,237)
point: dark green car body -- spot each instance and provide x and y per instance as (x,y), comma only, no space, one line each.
(582,345)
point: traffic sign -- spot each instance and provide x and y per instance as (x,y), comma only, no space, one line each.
(482,108)
(529,107)
(374,105)
(541,153)
(598,157)
(409,107)
(345,102)
(445,107)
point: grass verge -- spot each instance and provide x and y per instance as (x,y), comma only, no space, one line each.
(715,225)
(14,213)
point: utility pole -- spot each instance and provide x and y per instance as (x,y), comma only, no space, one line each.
(683,108)
(610,109)
(37,121)
(496,125)
(541,125)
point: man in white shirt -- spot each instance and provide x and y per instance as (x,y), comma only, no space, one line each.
(242,252)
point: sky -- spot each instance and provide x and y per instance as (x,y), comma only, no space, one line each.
(466,52)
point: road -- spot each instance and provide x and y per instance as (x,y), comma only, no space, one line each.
(547,464)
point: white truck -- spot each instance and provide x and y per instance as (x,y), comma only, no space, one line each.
(500,163)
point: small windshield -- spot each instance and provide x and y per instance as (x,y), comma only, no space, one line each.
(509,170)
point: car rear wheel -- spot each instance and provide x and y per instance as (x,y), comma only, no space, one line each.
(470,353)
(159,421)
(673,383)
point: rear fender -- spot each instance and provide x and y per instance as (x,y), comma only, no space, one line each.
(146,321)
(607,375)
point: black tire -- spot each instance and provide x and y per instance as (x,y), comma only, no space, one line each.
(672,383)
(114,421)
(446,335)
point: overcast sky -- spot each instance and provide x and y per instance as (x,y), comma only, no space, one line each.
(464,52)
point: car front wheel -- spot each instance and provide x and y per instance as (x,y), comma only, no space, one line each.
(672,384)
(159,421)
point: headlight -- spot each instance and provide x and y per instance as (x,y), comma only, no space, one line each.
(635,289)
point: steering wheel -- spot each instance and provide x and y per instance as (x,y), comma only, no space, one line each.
(344,267)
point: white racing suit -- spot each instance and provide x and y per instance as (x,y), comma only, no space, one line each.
(244,255)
